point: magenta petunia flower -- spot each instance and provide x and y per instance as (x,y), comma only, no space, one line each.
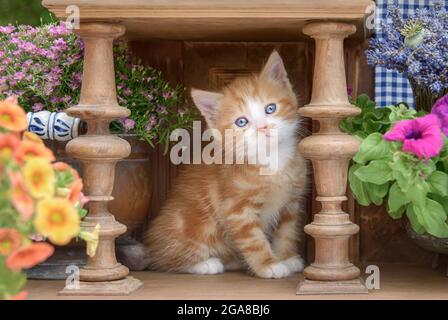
(421,136)
(440,109)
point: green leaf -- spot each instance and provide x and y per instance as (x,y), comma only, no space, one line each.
(433,218)
(398,214)
(63,178)
(374,147)
(377,192)
(402,173)
(417,194)
(442,200)
(10,282)
(370,120)
(397,198)
(376,172)
(401,112)
(438,183)
(362,100)
(413,219)
(358,187)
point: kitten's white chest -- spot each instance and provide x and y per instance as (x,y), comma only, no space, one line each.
(276,197)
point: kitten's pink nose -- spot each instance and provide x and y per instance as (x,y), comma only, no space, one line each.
(264,129)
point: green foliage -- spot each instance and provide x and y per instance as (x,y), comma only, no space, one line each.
(63,178)
(29,12)
(12,282)
(370,120)
(373,119)
(157,108)
(373,147)
(43,68)
(380,170)
(377,172)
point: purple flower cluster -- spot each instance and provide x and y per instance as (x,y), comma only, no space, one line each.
(440,109)
(153,102)
(416,46)
(43,67)
(40,65)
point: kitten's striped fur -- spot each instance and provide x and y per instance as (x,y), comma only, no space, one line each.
(227,217)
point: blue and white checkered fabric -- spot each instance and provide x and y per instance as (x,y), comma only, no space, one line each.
(390,86)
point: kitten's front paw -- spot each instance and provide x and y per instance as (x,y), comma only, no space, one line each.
(210,266)
(275,270)
(295,264)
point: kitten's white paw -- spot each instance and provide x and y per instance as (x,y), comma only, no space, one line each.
(275,270)
(295,264)
(210,266)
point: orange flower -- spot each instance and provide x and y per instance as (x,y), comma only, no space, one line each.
(8,143)
(39,178)
(9,241)
(30,149)
(20,197)
(57,219)
(12,117)
(75,192)
(23,295)
(31,136)
(29,256)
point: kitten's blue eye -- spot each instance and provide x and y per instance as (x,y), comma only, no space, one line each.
(241,122)
(270,108)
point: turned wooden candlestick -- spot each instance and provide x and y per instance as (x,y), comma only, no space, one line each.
(330,151)
(98,152)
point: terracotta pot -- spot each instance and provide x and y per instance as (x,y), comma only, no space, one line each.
(133,182)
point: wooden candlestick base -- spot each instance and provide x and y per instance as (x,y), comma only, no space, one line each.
(354,286)
(98,151)
(330,151)
(104,288)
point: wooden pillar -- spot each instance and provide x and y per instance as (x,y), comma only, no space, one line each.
(98,152)
(330,151)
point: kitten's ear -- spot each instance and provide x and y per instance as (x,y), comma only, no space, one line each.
(275,70)
(207,103)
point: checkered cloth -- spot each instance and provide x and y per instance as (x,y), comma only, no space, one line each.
(390,86)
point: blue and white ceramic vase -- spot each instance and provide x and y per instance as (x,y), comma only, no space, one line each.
(53,125)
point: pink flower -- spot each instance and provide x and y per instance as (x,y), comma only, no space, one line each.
(60,45)
(127,92)
(59,30)
(440,109)
(7,29)
(128,124)
(421,136)
(151,123)
(167,95)
(83,200)
(349,90)
(161,109)
(37,107)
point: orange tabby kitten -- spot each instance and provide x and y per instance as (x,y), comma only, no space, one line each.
(227,217)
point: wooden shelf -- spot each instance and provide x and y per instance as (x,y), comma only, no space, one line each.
(219,20)
(397,282)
